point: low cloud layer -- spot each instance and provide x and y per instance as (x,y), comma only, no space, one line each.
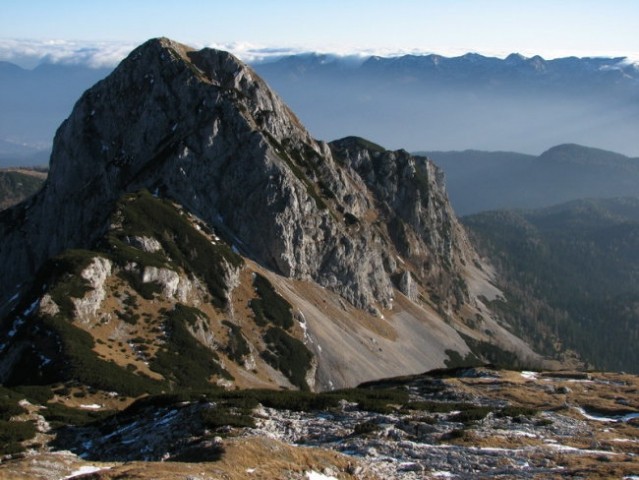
(29,53)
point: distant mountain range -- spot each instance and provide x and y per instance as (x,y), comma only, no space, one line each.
(478,181)
(417,102)
(33,104)
(414,102)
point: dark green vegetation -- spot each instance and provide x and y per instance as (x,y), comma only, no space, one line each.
(381,400)
(12,433)
(270,307)
(79,362)
(478,181)
(289,355)
(571,277)
(16,185)
(63,273)
(143,215)
(237,347)
(283,352)
(182,360)
(15,431)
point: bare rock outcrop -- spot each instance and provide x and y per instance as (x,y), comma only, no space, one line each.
(204,130)
(95,275)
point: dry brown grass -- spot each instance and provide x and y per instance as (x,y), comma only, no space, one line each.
(254,458)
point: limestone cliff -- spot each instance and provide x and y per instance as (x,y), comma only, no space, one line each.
(202,131)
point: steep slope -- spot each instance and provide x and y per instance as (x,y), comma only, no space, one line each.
(260,255)
(479,181)
(18,184)
(569,274)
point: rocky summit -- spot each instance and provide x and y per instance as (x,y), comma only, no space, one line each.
(192,239)
(188,210)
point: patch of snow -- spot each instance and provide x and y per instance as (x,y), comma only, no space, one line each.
(582,451)
(528,375)
(14,298)
(31,308)
(601,418)
(92,406)
(84,470)
(44,359)
(442,474)
(14,328)
(250,470)
(313,475)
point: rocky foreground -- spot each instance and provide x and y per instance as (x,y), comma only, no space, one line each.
(461,423)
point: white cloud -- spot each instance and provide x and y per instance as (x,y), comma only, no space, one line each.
(29,53)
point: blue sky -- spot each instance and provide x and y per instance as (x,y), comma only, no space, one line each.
(548,27)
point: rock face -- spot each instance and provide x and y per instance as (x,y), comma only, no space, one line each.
(191,231)
(203,129)
(95,275)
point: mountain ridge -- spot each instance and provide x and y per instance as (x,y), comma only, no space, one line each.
(460,92)
(214,222)
(480,181)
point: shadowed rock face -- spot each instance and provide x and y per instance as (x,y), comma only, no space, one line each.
(203,129)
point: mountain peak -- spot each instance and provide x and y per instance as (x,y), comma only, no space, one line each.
(179,154)
(205,131)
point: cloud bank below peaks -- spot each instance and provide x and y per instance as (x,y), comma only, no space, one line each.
(29,53)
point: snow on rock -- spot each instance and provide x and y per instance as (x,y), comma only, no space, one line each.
(602,418)
(312,475)
(84,470)
(93,406)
